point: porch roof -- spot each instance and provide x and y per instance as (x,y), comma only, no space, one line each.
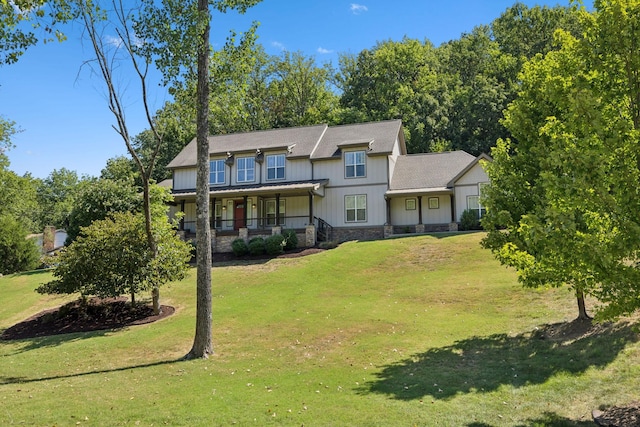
(284,188)
(418,191)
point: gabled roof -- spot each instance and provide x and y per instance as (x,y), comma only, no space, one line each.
(313,142)
(460,174)
(305,139)
(378,137)
(427,172)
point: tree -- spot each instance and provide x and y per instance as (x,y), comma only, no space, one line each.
(566,191)
(18,196)
(112,257)
(16,37)
(97,199)
(181,34)
(7,130)
(56,195)
(397,80)
(17,253)
(300,91)
(121,169)
(481,85)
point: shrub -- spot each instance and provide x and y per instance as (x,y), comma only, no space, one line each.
(469,220)
(275,244)
(291,240)
(239,247)
(111,257)
(256,246)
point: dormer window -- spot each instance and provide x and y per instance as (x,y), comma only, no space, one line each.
(355,164)
(246,169)
(275,167)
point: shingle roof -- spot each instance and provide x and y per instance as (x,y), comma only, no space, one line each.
(379,136)
(314,142)
(305,139)
(430,170)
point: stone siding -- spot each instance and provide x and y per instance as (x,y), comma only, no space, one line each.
(344,234)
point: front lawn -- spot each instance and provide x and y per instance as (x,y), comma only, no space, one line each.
(415,331)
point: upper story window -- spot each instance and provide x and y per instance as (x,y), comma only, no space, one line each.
(355,164)
(216,172)
(275,166)
(246,169)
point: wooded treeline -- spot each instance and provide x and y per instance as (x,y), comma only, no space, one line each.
(450,96)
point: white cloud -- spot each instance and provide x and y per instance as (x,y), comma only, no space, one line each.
(324,51)
(278,45)
(357,9)
(113,41)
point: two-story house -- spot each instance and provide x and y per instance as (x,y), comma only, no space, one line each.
(337,182)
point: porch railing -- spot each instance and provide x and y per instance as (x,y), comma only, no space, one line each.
(264,223)
(323,229)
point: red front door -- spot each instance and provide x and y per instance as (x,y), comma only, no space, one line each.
(238,215)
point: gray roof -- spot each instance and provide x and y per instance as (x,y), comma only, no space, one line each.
(314,142)
(379,137)
(428,171)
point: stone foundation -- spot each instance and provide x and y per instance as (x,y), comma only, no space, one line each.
(344,234)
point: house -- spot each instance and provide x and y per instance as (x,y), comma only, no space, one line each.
(327,182)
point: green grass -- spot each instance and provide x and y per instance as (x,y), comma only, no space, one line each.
(414,331)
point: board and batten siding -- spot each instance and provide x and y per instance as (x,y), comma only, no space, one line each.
(468,185)
(331,207)
(400,215)
(334,169)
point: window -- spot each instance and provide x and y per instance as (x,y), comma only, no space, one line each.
(410,204)
(216,172)
(434,203)
(270,211)
(217,213)
(354,164)
(356,208)
(246,169)
(473,203)
(275,166)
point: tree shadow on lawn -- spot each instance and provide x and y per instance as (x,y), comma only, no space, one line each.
(482,364)
(5,380)
(548,419)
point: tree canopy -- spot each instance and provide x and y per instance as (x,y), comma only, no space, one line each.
(566,190)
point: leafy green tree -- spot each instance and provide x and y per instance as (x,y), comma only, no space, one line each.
(96,199)
(566,191)
(300,91)
(482,84)
(17,253)
(43,15)
(121,169)
(397,80)
(56,194)
(18,196)
(8,128)
(112,257)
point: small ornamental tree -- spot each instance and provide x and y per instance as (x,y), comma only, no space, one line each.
(111,257)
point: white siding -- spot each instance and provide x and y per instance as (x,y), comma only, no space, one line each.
(473,176)
(468,185)
(184,179)
(401,216)
(331,207)
(376,171)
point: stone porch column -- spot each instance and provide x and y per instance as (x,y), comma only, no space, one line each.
(310,235)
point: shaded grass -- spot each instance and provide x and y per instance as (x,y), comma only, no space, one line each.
(357,335)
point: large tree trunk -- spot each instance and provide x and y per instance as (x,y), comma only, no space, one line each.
(202,343)
(582,310)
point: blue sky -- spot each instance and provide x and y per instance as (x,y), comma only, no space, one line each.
(61,108)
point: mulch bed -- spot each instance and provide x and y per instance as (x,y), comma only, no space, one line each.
(92,315)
